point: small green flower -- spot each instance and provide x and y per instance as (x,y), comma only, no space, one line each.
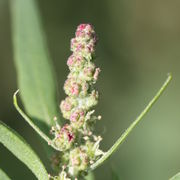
(78,162)
(64,137)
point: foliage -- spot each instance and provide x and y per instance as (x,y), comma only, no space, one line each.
(3,175)
(37,86)
(18,146)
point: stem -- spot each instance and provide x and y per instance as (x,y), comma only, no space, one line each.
(175,177)
(132,126)
(29,121)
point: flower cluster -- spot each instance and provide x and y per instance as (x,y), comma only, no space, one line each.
(78,145)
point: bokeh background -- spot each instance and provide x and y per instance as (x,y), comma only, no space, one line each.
(139,43)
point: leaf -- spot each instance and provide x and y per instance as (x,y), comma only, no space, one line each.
(176,177)
(36,78)
(3,175)
(30,122)
(132,126)
(17,145)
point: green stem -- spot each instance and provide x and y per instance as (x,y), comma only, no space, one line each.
(132,126)
(175,177)
(29,121)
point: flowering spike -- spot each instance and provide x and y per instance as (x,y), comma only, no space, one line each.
(80,147)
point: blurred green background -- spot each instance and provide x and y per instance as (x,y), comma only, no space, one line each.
(139,43)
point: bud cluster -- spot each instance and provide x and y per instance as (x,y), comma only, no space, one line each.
(78,145)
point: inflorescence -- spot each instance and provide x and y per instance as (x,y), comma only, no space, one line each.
(78,145)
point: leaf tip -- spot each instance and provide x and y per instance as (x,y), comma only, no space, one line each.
(16,92)
(14,95)
(169,75)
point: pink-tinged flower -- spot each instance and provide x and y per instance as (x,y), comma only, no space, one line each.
(85,31)
(78,161)
(74,41)
(76,115)
(71,87)
(67,131)
(70,60)
(64,138)
(82,27)
(75,62)
(88,72)
(77,118)
(75,89)
(83,49)
(90,48)
(66,106)
(84,42)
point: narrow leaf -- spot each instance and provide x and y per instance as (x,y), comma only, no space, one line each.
(3,175)
(132,126)
(36,78)
(17,145)
(30,122)
(176,177)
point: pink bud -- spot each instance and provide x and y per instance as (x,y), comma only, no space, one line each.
(77,115)
(70,60)
(66,131)
(74,116)
(84,29)
(75,89)
(81,27)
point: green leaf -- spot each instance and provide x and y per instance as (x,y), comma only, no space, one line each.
(36,78)
(30,122)
(132,126)
(17,145)
(3,175)
(176,177)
